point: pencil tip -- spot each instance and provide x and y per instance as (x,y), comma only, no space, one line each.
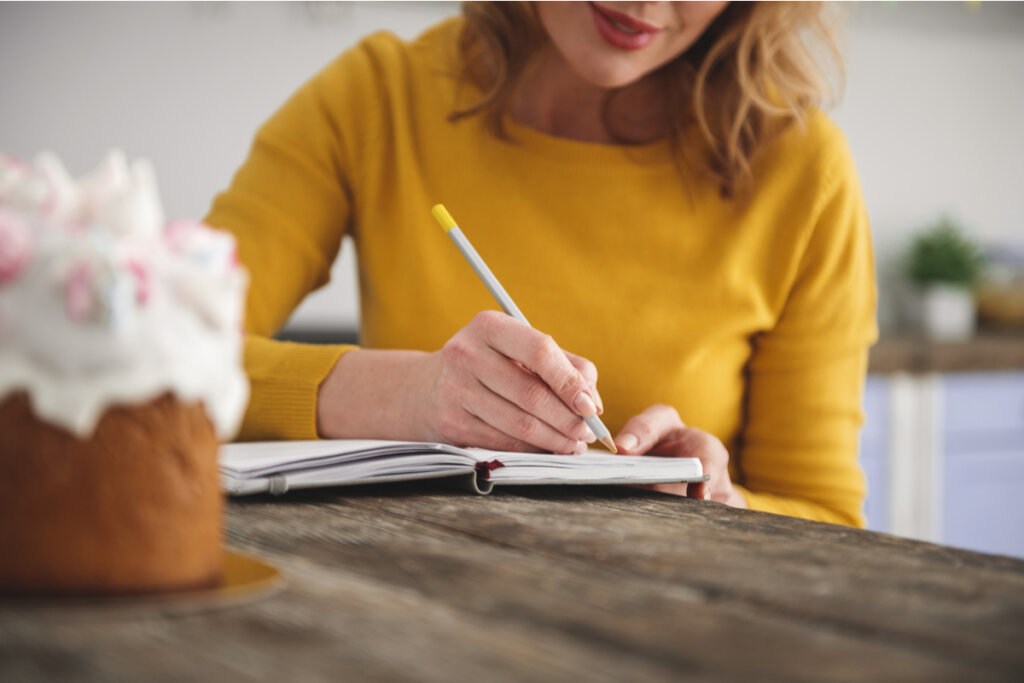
(607,441)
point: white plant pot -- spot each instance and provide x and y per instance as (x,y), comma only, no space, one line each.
(947,313)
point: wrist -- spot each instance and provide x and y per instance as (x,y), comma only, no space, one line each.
(373,394)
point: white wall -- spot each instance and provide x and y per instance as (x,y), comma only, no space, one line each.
(934,113)
(933,109)
(183,84)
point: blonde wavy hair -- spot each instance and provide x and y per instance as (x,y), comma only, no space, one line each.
(758,68)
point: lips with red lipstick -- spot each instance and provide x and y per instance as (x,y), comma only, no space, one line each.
(621,30)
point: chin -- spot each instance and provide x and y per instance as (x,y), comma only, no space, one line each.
(608,75)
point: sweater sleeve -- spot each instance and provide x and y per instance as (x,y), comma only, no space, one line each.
(798,453)
(288,207)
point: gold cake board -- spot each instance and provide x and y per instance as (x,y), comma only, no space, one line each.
(244,579)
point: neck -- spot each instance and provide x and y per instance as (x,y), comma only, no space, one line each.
(554,99)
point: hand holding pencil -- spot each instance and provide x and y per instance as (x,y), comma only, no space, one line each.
(537,353)
(497,383)
(503,385)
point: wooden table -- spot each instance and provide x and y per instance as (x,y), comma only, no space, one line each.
(412,583)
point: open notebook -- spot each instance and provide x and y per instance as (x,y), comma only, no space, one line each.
(277,466)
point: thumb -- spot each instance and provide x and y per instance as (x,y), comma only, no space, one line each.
(644,431)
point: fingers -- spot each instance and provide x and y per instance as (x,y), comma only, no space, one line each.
(660,431)
(715,460)
(481,374)
(589,372)
(700,490)
(470,431)
(523,426)
(643,432)
(527,393)
(516,381)
(540,354)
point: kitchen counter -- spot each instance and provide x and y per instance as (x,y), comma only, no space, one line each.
(986,351)
(911,353)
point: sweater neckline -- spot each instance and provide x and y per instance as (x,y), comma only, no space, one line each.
(656,154)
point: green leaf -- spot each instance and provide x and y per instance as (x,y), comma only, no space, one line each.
(943,255)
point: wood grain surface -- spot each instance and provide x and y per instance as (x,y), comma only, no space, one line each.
(408,582)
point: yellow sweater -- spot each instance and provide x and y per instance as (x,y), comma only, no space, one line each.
(752,318)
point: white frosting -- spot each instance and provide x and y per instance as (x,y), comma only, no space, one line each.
(103,304)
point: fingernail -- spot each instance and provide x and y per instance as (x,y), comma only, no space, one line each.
(581,448)
(584,404)
(628,442)
(589,435)
(707,494)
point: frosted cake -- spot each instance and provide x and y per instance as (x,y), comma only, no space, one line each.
(120,372)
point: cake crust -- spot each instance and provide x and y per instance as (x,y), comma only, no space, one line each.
(135,508)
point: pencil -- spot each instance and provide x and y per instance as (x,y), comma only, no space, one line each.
(503,299)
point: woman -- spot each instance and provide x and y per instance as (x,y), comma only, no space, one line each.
(652,183)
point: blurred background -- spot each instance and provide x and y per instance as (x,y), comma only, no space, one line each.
(933,111)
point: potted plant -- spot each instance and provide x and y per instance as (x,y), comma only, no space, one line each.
(945,265)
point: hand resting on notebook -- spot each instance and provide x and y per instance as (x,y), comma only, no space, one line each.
(660,431)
